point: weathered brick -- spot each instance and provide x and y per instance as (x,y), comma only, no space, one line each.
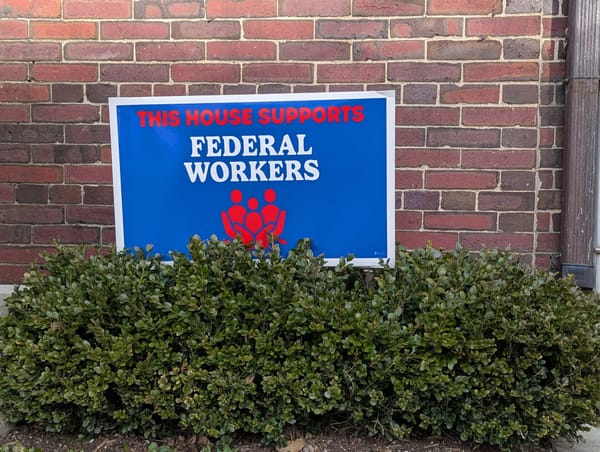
(240,8)
(464,221)
(388,50)
(135,90)
(207,72)
(458,200)
(463,137)
(551,158)
(89,174)
(273,88)
(99,93)
(63,30)
(424,72)
(13,29)
(239,89)
(355,72)
(549,200)
(387,8)
(408,220)
(30,173)
(169,51)
(309,88)
(546,242)
(24,92)
(426,27)
(169,90)
(30,8)
(417,116)
(67,92)
(461,179)
(515,222)
(469,94)
(204,89)
(11,274)
(351,29)
(496,72)
(65,234)
(498,159)
(97,9)
(410,136)
(36,133)
(87,133)
(90,214)
(417,239)
(134,72)
(314,51)
(26,51)
(22,214)
(215,29)
(466,7)
(503,26)
(513,241)
(278,29)
(500,116)
(156,9)
(523,6)
(517,180)
(59,72)
(98,51)
(65,153)
(98,194)
(108,235)
(520,94)
(435,158)
(505,200)
(241,50)
(464,50)
(408,179)
(13,72)
(554,71)
(31,193)
(12,113)
(555,27)
(7,193)
(314,8)
(278,72)
(421,200)
(65,113)
(519,138)
(420,94)
(14,153)
(15,234)
(65,194)
(134,30)
(521,49)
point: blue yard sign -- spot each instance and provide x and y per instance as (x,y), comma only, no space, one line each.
(262,168)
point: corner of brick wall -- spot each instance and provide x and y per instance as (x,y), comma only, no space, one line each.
(480,104)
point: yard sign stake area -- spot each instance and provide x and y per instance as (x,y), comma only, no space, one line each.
(261,168)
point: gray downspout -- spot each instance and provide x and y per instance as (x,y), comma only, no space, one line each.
(580,188)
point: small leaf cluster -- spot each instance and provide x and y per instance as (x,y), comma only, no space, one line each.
(224,341)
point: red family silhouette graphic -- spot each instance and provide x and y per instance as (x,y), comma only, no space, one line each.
(251,224)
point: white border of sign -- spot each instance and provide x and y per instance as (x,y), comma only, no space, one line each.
(390,97)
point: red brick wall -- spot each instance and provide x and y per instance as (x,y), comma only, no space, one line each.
(479,103)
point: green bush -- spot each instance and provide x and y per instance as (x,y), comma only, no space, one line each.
(229,342)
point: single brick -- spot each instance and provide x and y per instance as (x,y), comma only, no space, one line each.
(30,8)
(63,30)
(98,194)
(9,273)
(464,50)
(65,113)
(135,90)
(314,51)
(351,29)
(14,153)
(458,200)
(500,116)
(32,193)
(520,94)
(12,113)
(15,234)
(134,30)
(99,93)
(13,71)
(65,153)
(13,29)
(34,133)
(108,236)
(551,158)
(65,234)
(427,27)
(549,200)
(461,179)
(72,72)
(87,133)
(421,200)
(554,71)
(434,158)
(314,8)
(463,137)
(27,51)
(427,116)
(464,7)
(278,29)
(169,51)
(521,49)
(498,159)
(523,6)
(555,27)
(240,8)
(98,51)
(517,180)
(156,9)
(278,72)
(469,94)
(515,222)
(408,220)
(514,241)
(417,239)
(410,136)
(22,214)
(215,29)
(24,92)
(496,72)
(65,194)
(207,72)
(239,89)
(204,89)
(519,138)
(408,179)
(90,214)
(503,26)
(420,94)
(387,8)
(134,72)
(505,200)
(97,9)
(67,92)
(169,90)
(355,72)
(388,50)
(273,88)
(424,72)
(548,242)
(30,173)
(88,174)
(241,50)
(469,221)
